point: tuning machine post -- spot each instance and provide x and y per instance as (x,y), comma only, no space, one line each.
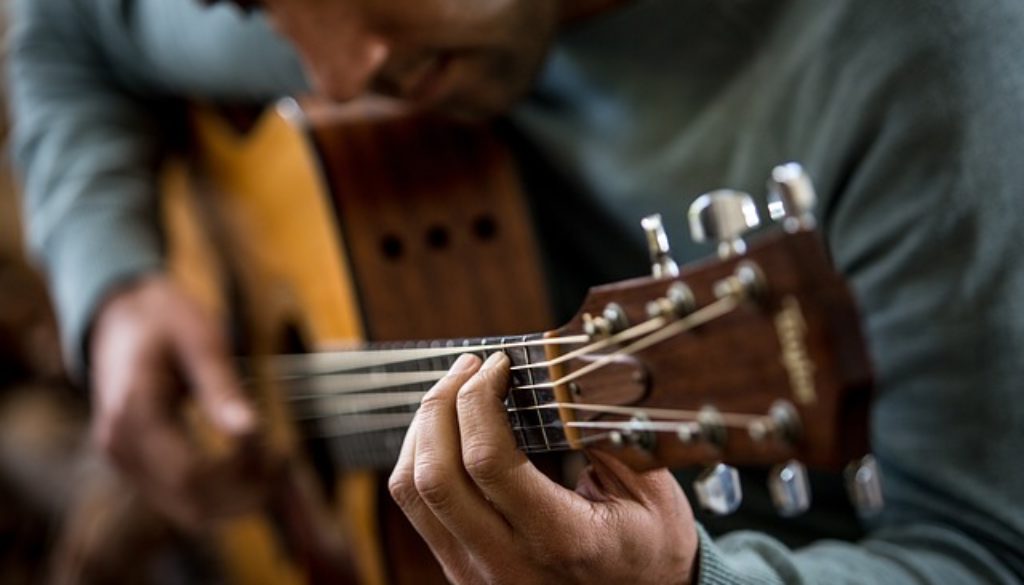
(612,320)
(746,282)
(782,423)
(678,302)
(636,433)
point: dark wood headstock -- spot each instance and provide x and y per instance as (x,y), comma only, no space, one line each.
(763,361)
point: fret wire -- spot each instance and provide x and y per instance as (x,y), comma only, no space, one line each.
(637,330)
(522,432)
(520,435)
(543,431)
(529,373)
(481,352)
(364,431)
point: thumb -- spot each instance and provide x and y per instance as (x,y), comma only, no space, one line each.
(608,478)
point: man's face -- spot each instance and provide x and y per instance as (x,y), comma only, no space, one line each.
(466,57)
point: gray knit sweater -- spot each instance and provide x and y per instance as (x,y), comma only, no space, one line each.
(909,114)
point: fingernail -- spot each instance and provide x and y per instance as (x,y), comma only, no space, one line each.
(465,362)
(236,417)
(495,359)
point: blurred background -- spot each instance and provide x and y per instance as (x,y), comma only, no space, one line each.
(64,515)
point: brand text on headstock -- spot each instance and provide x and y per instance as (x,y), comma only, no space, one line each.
(792,331)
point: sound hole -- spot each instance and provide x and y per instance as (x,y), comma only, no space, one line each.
(485,227)
(391,246)
(437,237)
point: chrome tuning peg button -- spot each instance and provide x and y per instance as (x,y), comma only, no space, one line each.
(662,264)
(723,216)
(718,489)
(864,486)
(789,488)
(791,197)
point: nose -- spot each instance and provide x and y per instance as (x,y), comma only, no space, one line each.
(348,70)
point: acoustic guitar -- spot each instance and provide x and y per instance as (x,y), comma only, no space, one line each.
(326,236)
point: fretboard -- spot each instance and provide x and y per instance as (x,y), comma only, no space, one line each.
(360,414)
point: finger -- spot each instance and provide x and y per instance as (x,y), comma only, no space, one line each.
(519,491)
(207,365)
(441,480)
(133,426)
(402,486)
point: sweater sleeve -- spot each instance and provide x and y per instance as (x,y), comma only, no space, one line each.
(924,217)
(87,80)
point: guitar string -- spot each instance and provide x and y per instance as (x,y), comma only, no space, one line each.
(341,383)
(357,385)
(683,325)
(403,355)
(335,362)
(699,317)
(676,418)
(395,421)
(661,426)
(643,328)
(728,419)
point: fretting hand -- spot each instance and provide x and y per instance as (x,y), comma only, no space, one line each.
(490,516)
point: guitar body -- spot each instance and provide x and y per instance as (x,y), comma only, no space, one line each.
(320,227)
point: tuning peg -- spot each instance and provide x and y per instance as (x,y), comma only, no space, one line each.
(723,216)
(677,302)
(789,488)
(864,485)
(662,264)
(612,320)
(718,489)
(781,424)
(791,197)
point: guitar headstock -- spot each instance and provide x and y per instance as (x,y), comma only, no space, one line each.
(751,357)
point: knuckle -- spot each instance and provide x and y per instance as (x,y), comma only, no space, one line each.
(433,405)
(431,401)
(432,486)
(403,489)
(483,462)
(467,396)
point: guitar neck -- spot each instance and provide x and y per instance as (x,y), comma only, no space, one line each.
(359,404)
